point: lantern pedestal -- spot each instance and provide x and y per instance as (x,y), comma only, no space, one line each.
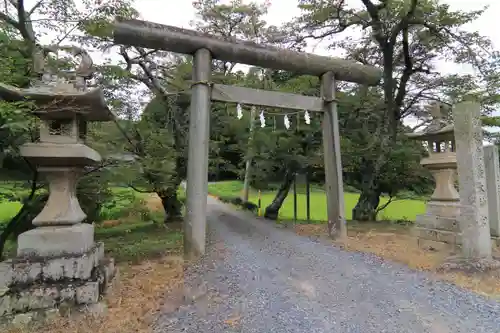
(439,223)
(56,241)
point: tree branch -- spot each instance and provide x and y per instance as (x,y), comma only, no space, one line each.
(35,7)
(384,206)
(404,23)
(9,20)
(138,190)
(25,27)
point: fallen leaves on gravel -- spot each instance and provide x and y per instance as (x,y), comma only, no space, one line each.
(399,245)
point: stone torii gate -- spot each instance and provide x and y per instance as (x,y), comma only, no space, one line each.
(204,48)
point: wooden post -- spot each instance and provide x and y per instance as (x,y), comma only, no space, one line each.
(308,197)
(259,204)
(295,198)
(197,168)
(333,165)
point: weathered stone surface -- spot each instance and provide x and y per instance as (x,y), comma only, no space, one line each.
(22,319)
(26,272)
(431,221)
(462,264)
(67,294)
(492,168)
(55,282)
(110,269)
(54,269)
(49,297)
(34,299)
(56,241)
(444,236)
(5,305)
(87,293)
(106,272)
(6,277)
(444,209)
(473,218)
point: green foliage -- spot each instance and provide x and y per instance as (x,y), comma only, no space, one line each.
(405,39)
(124,204)
(93,193)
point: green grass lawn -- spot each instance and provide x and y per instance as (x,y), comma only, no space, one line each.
(9,209)
(398,210)
(123,199)
(133,242)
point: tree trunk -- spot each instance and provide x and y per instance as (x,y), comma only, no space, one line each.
(273,209)
(369,199)
(366,207)
(14,228)
(171,204)
(10,228)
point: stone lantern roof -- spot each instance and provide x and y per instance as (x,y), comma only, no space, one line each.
(61,95)
(438,130)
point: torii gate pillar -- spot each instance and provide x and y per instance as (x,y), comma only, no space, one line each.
(197,167)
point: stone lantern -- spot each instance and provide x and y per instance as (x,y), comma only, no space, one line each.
(439,223)
(58,262)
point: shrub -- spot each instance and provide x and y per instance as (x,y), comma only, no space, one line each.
(93,192)
(126,203)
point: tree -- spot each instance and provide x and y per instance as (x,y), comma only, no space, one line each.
(20,32)
(241,21)
(405,38)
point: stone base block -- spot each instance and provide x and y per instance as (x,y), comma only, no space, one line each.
(437,235)
(432,237)
(28,286)
(445,209)
(23,271)
(27,319)
(56,241)
(432,245)
(478,265)
(430,221)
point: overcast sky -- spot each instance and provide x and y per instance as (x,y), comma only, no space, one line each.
(181,12)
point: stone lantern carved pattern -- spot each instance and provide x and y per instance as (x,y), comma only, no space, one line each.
(439,222)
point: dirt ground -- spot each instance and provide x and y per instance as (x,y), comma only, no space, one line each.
(396,243)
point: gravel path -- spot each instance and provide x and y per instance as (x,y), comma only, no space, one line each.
(259,278)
